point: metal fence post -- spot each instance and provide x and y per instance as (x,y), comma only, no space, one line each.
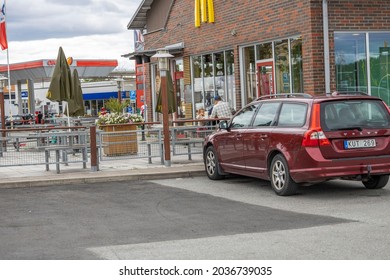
(93,149)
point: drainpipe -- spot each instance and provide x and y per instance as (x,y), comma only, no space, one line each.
(326,44)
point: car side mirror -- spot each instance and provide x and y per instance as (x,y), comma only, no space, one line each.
(224,125)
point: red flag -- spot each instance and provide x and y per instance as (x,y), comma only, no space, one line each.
(3,33)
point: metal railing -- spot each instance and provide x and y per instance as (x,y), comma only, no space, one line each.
(34,146)
(51,144)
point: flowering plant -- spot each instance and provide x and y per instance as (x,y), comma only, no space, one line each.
(118,118)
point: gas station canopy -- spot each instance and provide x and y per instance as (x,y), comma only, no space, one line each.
(42,69)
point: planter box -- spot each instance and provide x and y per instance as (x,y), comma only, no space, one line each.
(120,140)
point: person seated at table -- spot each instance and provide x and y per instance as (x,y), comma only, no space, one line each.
(200,115)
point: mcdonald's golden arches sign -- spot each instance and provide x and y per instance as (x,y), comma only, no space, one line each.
(204,11)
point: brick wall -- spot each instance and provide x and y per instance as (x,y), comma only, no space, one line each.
(256,21)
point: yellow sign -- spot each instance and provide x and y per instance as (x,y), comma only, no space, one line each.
(204,11)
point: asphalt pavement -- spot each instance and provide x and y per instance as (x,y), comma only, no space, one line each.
(111,221)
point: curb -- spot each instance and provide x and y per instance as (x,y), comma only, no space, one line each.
(105,176)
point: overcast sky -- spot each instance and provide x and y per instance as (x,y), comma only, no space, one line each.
(86,29)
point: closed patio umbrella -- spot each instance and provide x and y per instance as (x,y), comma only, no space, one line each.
(75,103)
(60,84)
(172,107)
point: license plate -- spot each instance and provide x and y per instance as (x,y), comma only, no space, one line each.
(356,144)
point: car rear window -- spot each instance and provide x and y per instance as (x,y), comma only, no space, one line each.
(339,115)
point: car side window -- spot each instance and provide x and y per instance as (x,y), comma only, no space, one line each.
(266,114)
(244,117)
(292,114)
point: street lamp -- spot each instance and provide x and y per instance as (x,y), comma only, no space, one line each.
(119,82)
(163,67)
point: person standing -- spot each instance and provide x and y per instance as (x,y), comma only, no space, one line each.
(40,117)
(221,109)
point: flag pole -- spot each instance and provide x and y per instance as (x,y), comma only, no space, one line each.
(8,69)
(9,88)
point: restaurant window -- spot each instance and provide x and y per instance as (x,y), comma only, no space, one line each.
(87,106)
(354,72)
(140,79)
(208,80)
(380,65)
(183,102)
(213,74)
(198,81)
(250,74)
(282,68)
(283,59)
(231,85)
(351,62)
(219,74)
(296,65)
(100,105)
(264,51)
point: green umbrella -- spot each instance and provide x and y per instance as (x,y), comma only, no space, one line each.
(75,103)
(60,84)
(171,96)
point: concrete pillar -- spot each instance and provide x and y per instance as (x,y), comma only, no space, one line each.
(31,96)
(19,97)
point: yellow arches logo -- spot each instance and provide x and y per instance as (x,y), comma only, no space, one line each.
(204,11)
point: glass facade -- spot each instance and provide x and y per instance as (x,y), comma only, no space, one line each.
(282,67)
(363,63)
(380,65)
(181,99)
(249,64)
(213,74)
(296,64)
(283,58)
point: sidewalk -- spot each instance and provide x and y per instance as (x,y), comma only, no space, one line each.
(113,170)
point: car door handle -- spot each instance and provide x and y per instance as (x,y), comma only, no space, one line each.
(263,135)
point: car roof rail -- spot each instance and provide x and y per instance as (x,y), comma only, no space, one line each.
(338,93)
(285,95)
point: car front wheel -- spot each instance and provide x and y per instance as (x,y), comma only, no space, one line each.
(281,181)
(211,164)
(376,182)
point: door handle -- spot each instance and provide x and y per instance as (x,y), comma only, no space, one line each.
(263,135)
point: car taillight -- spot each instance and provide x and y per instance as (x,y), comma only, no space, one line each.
(315,137)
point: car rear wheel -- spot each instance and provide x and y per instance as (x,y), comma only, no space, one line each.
(281,181)
(376,182)
(211,164)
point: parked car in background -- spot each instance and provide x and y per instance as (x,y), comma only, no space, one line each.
(303,139)
(16,120)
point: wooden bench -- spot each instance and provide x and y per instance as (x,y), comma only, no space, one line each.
(64,149)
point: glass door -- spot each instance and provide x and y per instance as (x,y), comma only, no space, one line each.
(265,72)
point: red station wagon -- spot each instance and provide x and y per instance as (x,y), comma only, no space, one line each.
(298,138)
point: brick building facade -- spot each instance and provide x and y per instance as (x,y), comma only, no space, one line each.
(263,47)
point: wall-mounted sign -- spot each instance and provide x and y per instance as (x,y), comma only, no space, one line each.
(133,96)
(204,11)
(24,94)
(52,62)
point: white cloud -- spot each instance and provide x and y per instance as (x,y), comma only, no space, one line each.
(86,29)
